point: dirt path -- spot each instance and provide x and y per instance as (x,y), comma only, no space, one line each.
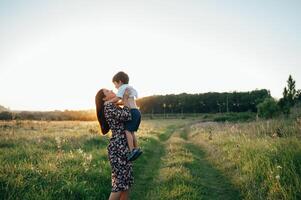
(172,167)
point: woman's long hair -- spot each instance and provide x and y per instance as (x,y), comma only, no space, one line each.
(100,112)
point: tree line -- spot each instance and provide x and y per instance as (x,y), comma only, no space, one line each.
(257,101)
(88,115)
(211,102)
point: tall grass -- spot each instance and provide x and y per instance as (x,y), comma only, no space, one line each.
(183,159)
(52,160)
(262,158)
(59,160)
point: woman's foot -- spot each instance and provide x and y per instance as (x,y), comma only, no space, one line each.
(136,152)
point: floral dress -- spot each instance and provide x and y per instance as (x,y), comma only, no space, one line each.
(122,173)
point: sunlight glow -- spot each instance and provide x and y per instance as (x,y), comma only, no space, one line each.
(56,55)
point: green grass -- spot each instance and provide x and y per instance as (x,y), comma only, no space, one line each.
(262,158)
(147,167)
(182,159)
(182,172)
(53,160)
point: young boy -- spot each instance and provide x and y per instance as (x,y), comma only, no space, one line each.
(121,81)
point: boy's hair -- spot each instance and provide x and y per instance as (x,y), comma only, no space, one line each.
(121,76)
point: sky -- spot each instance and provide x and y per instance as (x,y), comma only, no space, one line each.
(56,55)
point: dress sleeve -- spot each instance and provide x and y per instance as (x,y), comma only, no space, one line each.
(120,114)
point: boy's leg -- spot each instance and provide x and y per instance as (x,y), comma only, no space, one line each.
(135,143)
(134,152)
(137,150)
(129,138)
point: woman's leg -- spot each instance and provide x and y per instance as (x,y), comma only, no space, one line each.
(115,196)
(124,195)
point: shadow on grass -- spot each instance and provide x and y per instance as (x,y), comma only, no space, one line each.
(209,183)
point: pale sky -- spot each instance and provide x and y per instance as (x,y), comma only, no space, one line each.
(57,54)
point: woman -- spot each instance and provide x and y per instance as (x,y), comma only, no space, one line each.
(113,117)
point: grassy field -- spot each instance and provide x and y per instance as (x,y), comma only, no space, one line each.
(183,159)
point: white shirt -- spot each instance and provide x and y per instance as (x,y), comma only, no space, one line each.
(122,88)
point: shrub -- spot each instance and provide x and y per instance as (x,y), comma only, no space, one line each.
(6,115)
(295,111)
(268,108)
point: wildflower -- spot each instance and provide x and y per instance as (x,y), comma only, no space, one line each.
(80,151)
(277,177)
(58,142)
(71,154)
(89,158)
(57,139)
(279,167)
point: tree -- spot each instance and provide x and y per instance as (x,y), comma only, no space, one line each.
(298,96)
(291,90)
(268,108)
(290,96)
(285,93)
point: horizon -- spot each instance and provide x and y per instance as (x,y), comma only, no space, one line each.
(88,109)
(57,55)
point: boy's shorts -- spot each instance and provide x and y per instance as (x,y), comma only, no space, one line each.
(133,124)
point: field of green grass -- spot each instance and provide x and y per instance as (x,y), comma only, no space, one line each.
(183,159)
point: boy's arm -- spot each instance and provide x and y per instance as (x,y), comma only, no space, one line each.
(124,99)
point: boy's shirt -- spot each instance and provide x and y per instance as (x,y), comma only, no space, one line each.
(122,88)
